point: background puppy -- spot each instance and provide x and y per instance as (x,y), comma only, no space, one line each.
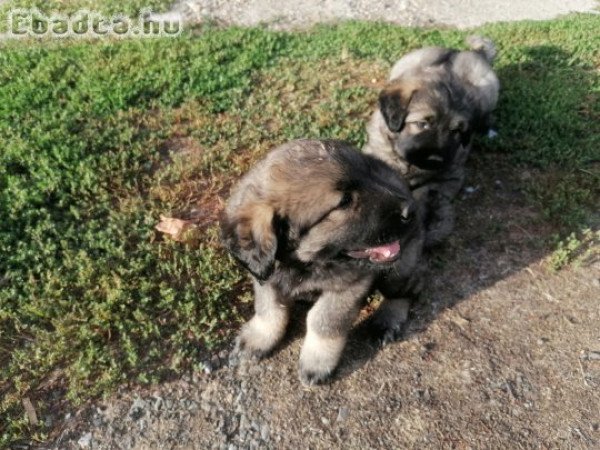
(321,221)
(435,100)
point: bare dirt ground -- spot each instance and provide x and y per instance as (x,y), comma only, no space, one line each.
(502,353)
(290,14)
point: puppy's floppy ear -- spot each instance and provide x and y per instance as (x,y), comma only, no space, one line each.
(250,236)
(393,103)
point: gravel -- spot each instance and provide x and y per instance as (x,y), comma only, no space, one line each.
(162,419)
(293,14)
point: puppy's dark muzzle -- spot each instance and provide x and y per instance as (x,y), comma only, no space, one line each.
(433,158)
(427,160)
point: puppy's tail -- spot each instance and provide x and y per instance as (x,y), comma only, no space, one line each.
(482,45)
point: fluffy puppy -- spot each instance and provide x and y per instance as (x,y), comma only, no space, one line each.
(320,221)
(435,100)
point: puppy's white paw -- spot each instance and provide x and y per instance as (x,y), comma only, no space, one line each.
(257,339)
(319,358)
(316,367)
(310,377)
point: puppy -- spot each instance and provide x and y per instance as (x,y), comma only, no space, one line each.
(435,100)
(320,221)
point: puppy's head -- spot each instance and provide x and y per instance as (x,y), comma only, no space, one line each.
(427,120)
(319,201)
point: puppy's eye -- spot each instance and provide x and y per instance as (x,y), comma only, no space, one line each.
(423,125)
(346,201)
(460,127)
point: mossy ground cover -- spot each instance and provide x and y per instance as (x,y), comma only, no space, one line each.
(98,139)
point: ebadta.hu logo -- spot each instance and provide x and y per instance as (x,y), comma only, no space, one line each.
(24,23)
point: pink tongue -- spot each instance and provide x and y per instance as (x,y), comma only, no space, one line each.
(383,253)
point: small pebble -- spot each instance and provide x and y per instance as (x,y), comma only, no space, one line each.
(244,424)
(97,421)
(264,432)
(138,409)
(157,404)
(255,370)
(592,356)
(85,441)
(205,406)
(343,414)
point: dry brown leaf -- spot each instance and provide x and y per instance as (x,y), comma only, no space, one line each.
(176,228)
(30,410)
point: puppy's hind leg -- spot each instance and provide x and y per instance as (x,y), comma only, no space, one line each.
(437,212)
(440,221)
(328,323)
(261,334)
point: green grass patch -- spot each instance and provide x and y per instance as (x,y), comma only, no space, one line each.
(582,248)
(130,7)
(100,138)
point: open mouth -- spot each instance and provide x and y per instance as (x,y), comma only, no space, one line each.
(383,253)
(426,161)
(435,158)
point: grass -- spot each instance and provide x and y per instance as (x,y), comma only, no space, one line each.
(100,138)
(108,7)
(583,248)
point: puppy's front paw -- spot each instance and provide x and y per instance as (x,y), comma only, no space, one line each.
(244,348)
(319,358)
(384,332)
(393,334)
(256,340)
(389,322)
(311,376)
